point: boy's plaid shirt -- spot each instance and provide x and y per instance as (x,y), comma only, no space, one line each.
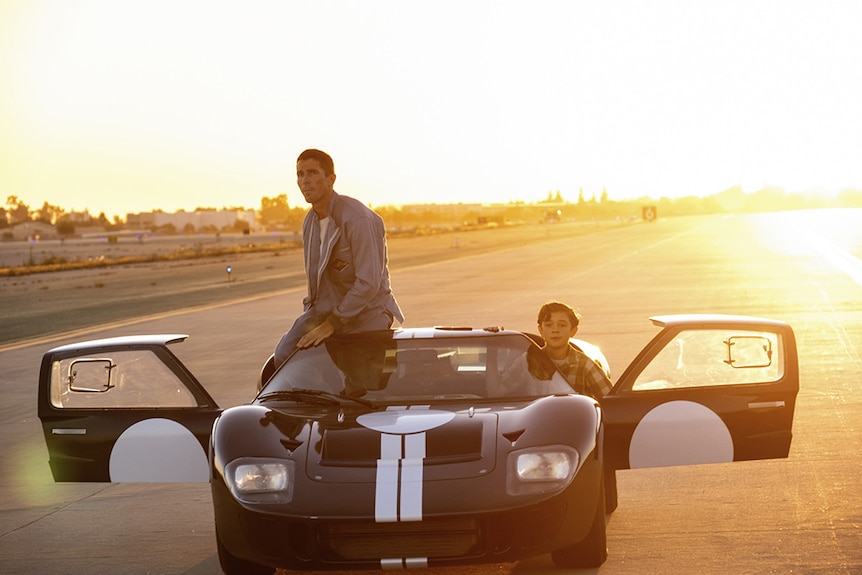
(584,375)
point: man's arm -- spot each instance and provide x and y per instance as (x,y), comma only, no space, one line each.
(316,336)
(365,236)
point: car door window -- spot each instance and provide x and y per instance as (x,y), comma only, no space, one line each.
(714,357)
(128,378)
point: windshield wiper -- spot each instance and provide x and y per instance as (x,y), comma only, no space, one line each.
(316,396)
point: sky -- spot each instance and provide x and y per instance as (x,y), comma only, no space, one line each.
(122,106)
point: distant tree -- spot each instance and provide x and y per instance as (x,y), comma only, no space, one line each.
(558,198)
(189,228)
(845,198)
(687,205)
(391,215)
(18,212)
(274,210)
(48,214)
(604,198)
(581,199)
(296,216)
(240,226)
(4,218)
(103,222)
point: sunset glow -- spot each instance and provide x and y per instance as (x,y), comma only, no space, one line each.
(132,106)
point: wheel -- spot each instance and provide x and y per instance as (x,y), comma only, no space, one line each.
(232,565)
(611,500)
(592,550)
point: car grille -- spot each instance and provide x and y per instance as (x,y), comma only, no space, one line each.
(433,539)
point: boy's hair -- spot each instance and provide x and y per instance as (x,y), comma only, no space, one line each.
(324,159)
(552,306)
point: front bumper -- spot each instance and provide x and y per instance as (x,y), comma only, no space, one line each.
(320,543)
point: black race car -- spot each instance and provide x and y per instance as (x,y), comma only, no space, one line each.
(419,447)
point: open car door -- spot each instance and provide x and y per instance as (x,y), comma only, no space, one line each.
(126,410)
(706,389)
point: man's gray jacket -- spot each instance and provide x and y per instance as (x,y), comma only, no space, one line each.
(352,286)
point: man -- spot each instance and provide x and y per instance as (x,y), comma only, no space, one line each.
(346,262)
(557,322)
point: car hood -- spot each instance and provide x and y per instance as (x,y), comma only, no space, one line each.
(352,448)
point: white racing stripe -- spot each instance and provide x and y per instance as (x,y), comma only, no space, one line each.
(398,489)
(386,492)
(398,494)
(411,477)
(399,564)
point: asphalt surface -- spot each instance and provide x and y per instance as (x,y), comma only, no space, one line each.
(797,515)
(36,304)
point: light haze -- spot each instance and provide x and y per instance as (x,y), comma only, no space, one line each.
(125,106)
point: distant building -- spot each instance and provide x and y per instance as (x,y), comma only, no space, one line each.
(199,219)
(31,231)
(79,218)
(144,220)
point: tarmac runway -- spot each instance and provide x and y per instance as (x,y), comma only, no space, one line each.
(796,515)
(35,304)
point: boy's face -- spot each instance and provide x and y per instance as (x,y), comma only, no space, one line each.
(556,330)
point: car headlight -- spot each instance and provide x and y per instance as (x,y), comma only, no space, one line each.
(544,469)
(261,480)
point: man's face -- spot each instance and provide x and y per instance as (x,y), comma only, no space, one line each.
(556,330)
(315,186)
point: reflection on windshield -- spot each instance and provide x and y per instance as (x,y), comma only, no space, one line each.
(361,363)
(378,367)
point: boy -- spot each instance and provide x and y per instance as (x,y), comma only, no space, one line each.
(557,322)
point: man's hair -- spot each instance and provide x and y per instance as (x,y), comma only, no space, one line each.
(324,159)
(552,306)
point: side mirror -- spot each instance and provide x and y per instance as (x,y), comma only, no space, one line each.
(91,375)
(748,351)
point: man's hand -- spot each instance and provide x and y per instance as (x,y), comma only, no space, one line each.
(316,336)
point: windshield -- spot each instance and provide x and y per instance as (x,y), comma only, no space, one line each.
(379,367)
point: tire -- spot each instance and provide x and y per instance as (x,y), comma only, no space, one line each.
(611,500)
(232,565)
(592,550)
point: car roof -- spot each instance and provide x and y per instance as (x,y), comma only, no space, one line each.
(447,331)
(154,339)
(708,320)
(397,334)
